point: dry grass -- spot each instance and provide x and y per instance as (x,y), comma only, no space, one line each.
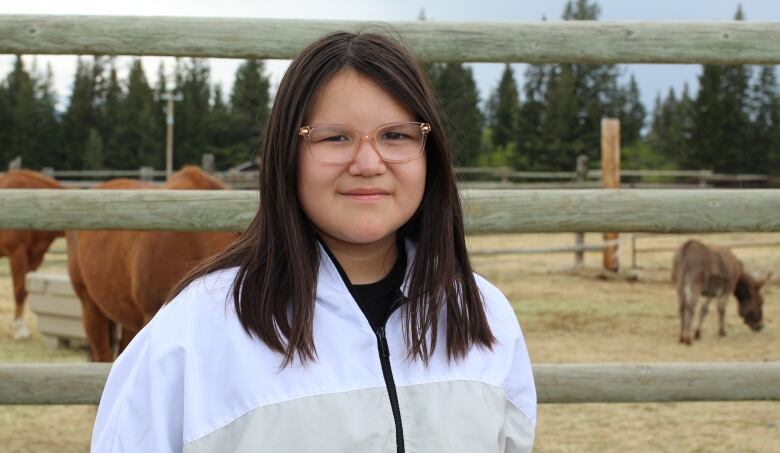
(570,316)
(567,317)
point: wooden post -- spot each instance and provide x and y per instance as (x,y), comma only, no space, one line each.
(147,174)
(610,179)
(207,162)
(170,97)
(15,164)
(579,239)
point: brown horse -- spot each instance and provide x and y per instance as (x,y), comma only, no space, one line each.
(25,249)
(123,277)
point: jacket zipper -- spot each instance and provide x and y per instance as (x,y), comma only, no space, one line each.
(387,372)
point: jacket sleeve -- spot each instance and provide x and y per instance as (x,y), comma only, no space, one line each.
(520,416)
(142,402)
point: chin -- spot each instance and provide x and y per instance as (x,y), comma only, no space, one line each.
(364,237)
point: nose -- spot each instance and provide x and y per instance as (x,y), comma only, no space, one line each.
(367,161)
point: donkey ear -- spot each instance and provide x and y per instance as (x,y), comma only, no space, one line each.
(764,280)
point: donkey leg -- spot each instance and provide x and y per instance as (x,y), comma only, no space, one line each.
(722,301)
(702,314)
(19,268)
(687,301)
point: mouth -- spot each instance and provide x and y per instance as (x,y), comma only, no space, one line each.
(366,195)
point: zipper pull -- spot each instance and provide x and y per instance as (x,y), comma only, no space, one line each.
(380,334)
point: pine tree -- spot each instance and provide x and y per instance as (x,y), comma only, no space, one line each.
(20,100)
(765,143)
(531,120)
(48,147)
(632,114)
(249,109)
(565,128)
(577,97)
(140,131)
(92,157)
(191,128)
(458,99)
(721,126)
(221,139)
(83,114)
(110,124)
(507,110)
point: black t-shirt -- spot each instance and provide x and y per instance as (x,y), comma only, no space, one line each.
(376,300)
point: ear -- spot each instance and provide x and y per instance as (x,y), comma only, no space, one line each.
(763,281)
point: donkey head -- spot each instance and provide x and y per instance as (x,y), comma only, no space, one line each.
(748,293)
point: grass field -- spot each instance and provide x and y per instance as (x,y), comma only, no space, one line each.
(567,316)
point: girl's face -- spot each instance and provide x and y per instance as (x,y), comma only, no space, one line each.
(366,200)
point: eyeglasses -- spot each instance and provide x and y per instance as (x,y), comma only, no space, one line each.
(339,144)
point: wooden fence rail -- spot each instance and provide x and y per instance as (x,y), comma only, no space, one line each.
(486,211)
(737,42)
(82,383)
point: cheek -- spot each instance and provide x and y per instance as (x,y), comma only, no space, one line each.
(413,182)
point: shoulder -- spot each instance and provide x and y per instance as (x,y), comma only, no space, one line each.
(205,305)
(498,309)
(205,293)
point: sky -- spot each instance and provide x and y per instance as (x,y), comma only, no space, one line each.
(652,79)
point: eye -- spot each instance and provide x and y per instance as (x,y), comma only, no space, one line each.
(390,135)
(335,138)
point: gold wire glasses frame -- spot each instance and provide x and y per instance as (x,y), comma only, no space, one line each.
(339,144)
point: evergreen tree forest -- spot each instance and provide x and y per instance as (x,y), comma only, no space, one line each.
(540,120)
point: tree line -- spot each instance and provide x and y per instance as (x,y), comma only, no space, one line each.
(731,125)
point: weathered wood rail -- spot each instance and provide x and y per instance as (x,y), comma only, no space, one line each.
(486,211)
(533,42)
(82,383)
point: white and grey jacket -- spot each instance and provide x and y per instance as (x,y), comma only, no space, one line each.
(192,380)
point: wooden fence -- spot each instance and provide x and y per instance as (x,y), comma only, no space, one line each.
(486,211)
(82,383)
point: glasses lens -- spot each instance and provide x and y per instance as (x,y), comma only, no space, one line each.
(332,144)
(400,142)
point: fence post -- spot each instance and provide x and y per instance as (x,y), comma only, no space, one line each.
(610,179)
(579,239)
(207,162)
(15,164)
(147,174)
(48,171)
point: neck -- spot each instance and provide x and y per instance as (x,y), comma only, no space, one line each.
(364,263)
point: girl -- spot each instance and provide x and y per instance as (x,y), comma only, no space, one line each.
(347,317)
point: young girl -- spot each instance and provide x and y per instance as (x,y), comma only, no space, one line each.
(347,317)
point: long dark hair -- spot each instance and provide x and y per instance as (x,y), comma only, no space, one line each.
(278,255)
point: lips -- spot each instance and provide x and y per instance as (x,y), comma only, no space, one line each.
(366,194)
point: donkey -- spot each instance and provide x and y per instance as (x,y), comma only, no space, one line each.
(714,272)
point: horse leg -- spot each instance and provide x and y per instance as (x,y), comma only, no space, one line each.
(722,301)
(96,325)
(702,315)
(19,268)
(124,340)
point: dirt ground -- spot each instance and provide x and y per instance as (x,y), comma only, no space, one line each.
(567,316)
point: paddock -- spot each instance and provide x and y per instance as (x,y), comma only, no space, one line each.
(487,213)
(568,317)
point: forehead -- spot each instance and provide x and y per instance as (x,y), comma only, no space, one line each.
(351,98)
